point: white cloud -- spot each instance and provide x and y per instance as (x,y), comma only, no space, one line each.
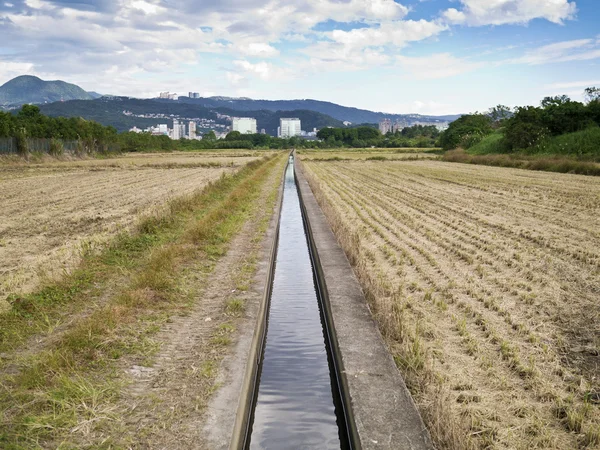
(499,12)
(263,70)
(421,107)
(395,33)
(574,50)
(146,7)
(258,49)
(9,70)
(574,84)
(440,65)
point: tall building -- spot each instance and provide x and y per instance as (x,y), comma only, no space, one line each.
(168,95)
(178,130)
(385,126)
(399,125)
(245,125)
(192,130)
(163,128)
(194,95)
(289,128)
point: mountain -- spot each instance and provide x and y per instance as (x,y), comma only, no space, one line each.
(29,89)
(339,112)
(94,95)
(110,111)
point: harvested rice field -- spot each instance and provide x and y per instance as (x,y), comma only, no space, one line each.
(485,283)
(374,154)
(51,211)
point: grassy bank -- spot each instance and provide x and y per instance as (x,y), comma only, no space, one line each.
(60,346)
(577,152)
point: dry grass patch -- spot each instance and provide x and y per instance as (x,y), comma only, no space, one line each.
(485,284)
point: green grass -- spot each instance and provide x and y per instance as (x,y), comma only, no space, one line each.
(489,144)
(71,382)
(583,144)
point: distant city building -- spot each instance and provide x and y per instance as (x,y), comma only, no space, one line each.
(399,125)
(135,130)
(178,130)
(385,126)
(168,95)
(245,125)
(192,130)
(346,123)
(194,95)
(289,127)
(263,131)
(163,128)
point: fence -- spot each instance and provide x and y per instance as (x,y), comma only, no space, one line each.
(36,145)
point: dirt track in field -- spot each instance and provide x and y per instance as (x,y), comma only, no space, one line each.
(53,210)
(485,282)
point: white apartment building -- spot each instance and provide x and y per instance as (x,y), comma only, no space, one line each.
(192,130)
(385,126)
(245,125)
(178,130)
(289,127)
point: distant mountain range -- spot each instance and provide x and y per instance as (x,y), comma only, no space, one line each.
(339,112)
(29,89)
(109,111)
(58,98)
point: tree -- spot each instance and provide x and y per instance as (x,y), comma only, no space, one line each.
(555,101)
(592,94)
(233,136)
(499,113)
(526,128)
(210,136)
(467,128)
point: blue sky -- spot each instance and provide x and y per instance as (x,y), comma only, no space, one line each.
(405,56)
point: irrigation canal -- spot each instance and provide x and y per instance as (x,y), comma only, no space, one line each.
(298,402)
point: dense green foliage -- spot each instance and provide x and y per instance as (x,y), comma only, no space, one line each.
(28,89)
(365,136)
(29,122)
(466,131)
(530,126)
(558,126)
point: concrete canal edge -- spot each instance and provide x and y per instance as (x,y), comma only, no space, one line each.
(383,410)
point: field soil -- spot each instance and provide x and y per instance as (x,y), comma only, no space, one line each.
(52,211)
(485,284)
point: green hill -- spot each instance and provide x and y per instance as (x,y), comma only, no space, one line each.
(29,89)
(109,111)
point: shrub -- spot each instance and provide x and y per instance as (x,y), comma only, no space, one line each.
(478,125)
(56,147)
(22,144)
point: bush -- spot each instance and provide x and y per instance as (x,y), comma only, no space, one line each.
(468,129)
(22,144)
(56,147)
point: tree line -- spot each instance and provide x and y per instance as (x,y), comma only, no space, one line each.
(527,126)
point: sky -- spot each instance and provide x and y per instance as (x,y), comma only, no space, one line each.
(405,56)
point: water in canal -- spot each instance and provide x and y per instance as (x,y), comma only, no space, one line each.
(295,406)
